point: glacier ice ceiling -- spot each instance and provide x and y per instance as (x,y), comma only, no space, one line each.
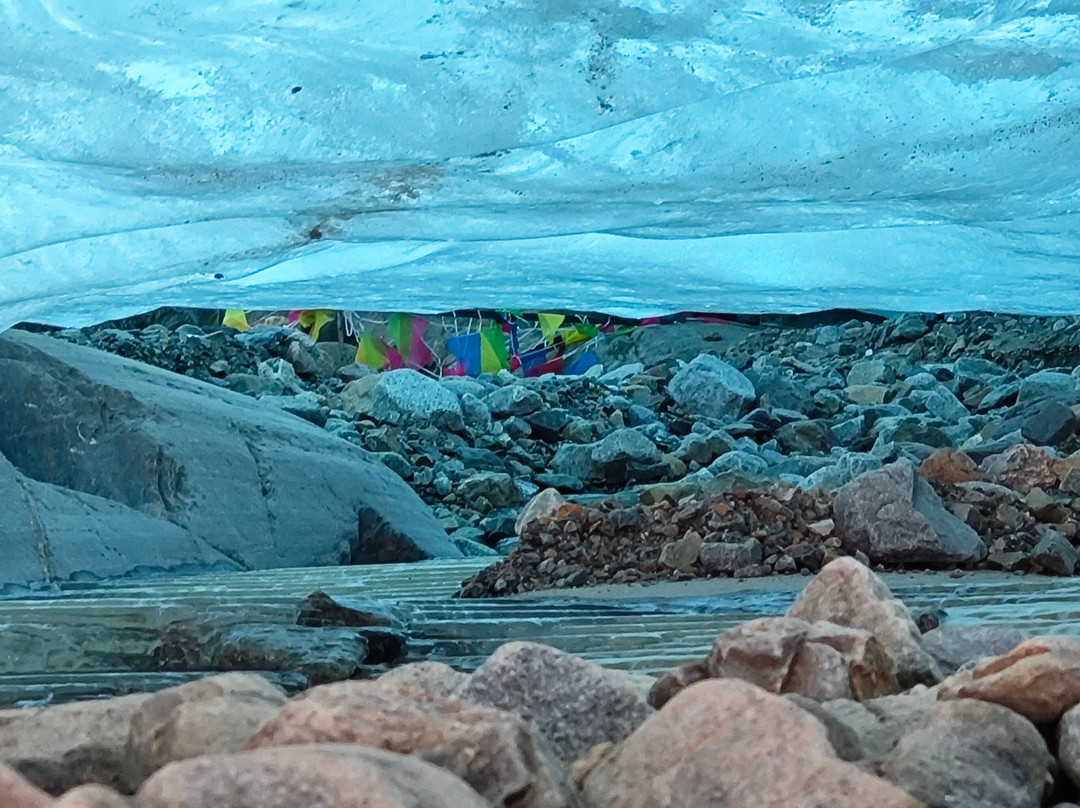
(629,156)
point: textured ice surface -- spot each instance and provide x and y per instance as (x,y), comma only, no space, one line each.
(632,156)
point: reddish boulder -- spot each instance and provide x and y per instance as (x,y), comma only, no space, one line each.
(58,748)
(847,593)
(1039,678)
(15,792)
(217,715)
(495,752)
(316,776)
(822,661)
(949,466)
(1021,468)
(728,743)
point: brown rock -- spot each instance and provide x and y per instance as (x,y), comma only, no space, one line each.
(949,466)
(821,660)
(217,715)
(495,752)
(574,703)
(728,743)
(15,792)
(1021,468)
(1039,678)
(434,678)
(847,593)
(675,680)
(970,752)
(544,504)
(58,748)
(316,776)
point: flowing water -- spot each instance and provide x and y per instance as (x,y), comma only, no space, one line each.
(97,639)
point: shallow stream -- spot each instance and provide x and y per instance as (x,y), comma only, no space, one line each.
(97,639)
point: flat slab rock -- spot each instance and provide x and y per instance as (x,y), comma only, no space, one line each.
(116,468)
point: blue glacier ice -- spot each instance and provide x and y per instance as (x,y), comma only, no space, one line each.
(629,156)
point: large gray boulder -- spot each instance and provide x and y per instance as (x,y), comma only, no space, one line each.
(403,395)
(711,387)
(895,517)
(118,468)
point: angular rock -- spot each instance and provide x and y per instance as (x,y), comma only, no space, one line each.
(320,609)
(403,394)
(957,646)
(574,703)
(323,654)
(847,593)
(434,678)
(1052,424)
(870,729)
(514,399)
(495,752)
(260,488)
(949,466)
(623,446)
(544,504)
(805,437)
(217,715)
(896,518)
(970,752)
(1054,555)
(719,556)
(711,387)
(58,748)
(315,776)
(1021,468)
(728,743)
(681,554)
(820,660)
(870,371)
(1039,678)
(498,489)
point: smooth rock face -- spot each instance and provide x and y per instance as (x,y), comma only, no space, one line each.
(92,796)
(85,535)
(574,703)
(58,748)
(821,660)
(895,517)
(495,752)
(1040,679)
(316,776)
(1069,744)
(434,678)
(971,753)
(18,793)
(259,488)
(217,715)
(956,646)
(711,387)
(847,593)
(728,743)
